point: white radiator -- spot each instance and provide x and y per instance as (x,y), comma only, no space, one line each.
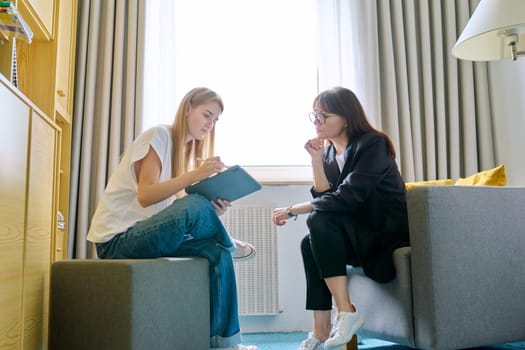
(257,279)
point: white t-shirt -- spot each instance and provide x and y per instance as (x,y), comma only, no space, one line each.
(119,208)
(340,161)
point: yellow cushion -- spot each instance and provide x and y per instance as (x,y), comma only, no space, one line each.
(492,177)
(411,185)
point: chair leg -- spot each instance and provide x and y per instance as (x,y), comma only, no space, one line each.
(352,344)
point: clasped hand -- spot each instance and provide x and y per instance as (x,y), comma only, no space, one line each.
(315,147)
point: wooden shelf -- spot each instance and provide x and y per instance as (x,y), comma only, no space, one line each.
(40,16)
(61,115)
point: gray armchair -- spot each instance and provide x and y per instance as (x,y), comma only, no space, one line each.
(461,282)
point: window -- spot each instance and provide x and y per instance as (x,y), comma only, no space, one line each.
(260,56)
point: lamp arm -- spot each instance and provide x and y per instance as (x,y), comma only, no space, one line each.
(512,39)
(514,53)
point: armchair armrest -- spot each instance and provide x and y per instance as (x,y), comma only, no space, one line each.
(468,265)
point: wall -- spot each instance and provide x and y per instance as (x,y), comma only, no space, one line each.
(508,100)
(293,317)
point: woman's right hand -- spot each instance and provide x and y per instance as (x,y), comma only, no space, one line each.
(209,167)
(315,147)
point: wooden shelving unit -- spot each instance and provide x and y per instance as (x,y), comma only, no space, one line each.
(34,177)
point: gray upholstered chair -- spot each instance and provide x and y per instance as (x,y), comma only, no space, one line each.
(461,282)
(156,304)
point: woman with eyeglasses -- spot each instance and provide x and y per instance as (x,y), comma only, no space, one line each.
(358,214)
(144,212)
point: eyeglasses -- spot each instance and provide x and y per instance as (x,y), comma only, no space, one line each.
(319,117)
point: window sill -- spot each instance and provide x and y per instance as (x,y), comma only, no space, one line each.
(281,175)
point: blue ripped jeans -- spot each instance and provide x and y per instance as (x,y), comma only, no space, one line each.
(188,227)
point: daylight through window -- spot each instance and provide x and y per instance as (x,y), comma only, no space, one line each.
(260,56)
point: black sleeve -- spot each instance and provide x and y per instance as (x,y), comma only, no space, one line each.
(371,160)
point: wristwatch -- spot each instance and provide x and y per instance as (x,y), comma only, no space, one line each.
(290,214)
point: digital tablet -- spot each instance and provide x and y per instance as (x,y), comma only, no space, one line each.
(231,184)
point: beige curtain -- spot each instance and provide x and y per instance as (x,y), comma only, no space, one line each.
(107,109)
(436,108)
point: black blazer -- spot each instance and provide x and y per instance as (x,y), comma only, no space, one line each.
(370,194)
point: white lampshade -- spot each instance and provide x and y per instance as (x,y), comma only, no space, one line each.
(484,36)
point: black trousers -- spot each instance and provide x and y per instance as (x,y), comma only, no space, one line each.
(326,252)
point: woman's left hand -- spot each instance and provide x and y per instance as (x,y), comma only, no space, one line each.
(221,206)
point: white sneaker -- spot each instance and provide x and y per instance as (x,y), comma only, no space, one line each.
(346,324)
(311,343)
(243,250)
(238,347)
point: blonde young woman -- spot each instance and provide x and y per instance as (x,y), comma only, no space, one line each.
(144,212)
(357,216)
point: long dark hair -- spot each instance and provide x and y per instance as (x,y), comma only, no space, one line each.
(344,102)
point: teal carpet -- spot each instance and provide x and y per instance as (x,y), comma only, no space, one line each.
(290,341)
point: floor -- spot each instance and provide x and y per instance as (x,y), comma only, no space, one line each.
(291,340)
